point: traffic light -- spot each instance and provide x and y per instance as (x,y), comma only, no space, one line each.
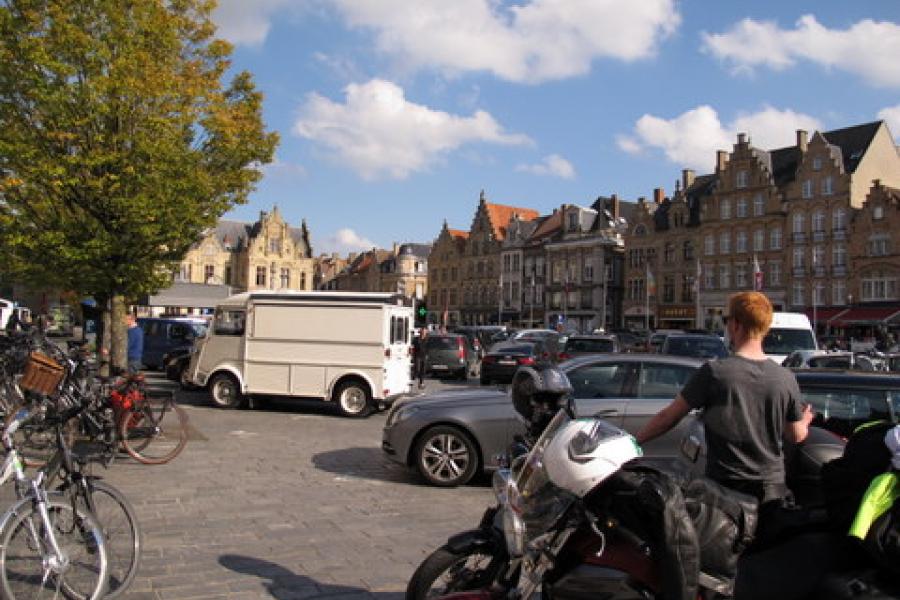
(421,315)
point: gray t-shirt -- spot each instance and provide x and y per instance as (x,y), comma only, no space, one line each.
(746,405)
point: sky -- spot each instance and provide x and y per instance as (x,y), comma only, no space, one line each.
(395,115)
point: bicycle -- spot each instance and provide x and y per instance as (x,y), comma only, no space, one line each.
(47,545)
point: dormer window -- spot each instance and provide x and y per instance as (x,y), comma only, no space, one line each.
(807,188)
(742,179)
(878,213)
(817,163)
(275,245)
(573,221)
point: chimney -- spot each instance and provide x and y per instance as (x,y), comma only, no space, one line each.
(614,208)
(396,248)
(802,139)
(658,195)
(721,160)
(687,178)
(642,200)
(742,139)
(351,257)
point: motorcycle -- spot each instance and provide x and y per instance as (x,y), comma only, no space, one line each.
(580,516)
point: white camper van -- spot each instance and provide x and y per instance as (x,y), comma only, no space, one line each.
(347,347)
(789,332)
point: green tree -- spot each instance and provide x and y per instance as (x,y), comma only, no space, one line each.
(119,142)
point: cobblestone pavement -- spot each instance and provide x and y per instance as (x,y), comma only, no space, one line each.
(288,501)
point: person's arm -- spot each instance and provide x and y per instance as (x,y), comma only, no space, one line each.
(664,420)
(796,431)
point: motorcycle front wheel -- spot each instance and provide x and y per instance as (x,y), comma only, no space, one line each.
(446,571)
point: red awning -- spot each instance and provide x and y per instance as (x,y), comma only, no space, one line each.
(864,315)
(825,314)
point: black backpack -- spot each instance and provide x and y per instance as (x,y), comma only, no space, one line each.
(846,479)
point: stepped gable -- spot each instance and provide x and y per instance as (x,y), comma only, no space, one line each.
(500,214)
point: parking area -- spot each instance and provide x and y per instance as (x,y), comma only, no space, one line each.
(287,501)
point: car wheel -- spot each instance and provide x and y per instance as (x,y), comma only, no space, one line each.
(446,456)
(225,391)
(353,398)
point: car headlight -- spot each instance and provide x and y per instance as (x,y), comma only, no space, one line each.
(401,414)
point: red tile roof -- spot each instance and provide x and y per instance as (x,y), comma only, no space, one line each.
(500,215)
(459,233)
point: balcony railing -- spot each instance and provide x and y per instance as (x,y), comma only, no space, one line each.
(818,236)
(839,270)
(798,237)
(818,271)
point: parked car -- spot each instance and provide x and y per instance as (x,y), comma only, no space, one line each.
(500,364)
(698,346)
(449,437)
(163,335)
(820,359)
(450,354)
(629,342)
(843,401)
(798,358)
(579,345)
(175,364)
(552,339)
(654,342)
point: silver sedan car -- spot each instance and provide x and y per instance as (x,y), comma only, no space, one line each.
(449,437)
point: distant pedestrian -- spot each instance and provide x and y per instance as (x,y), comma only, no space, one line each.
(419,356)
(135,344)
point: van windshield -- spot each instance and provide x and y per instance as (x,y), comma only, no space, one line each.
(785,341)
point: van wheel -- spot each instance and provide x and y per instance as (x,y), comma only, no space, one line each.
(353,398)
(225,391)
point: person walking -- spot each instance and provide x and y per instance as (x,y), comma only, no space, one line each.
(135,344)
(419,356)
(750,404)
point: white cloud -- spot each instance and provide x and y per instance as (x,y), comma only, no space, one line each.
(379,133)
(868,48)
(692,138)
(246,23)
(891,114)
(530,42)
(344,241)
(553,165)
(280,168)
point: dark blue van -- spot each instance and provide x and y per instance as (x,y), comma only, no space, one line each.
(162,335)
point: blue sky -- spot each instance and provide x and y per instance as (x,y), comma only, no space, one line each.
(394,115)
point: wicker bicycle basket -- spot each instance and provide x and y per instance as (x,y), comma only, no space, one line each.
(42,374)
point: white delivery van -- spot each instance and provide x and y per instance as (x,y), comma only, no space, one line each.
(789,332)
(352,348)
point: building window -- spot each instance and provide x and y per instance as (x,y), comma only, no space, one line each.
(709,277)
(879,286)
(878,213)
(557,271)
(725,208)
(839,255)
(573,221)
(839,219)
(588,271)
(725,243)
(209,273)
(668,289)
(515,263)
(759,205)
(818,221)
(798,222)
(688,250)
(799,292)
(828,186)
(285,278)
(687,288)
(879,245)
(709,245)
(724,277)
(774,274)
(818,256)
(572,299)
(759,240)
(740,276)
(740,241)
(799,258)
(669,253)
(275,245)
(742,207)
(807,188)
(819,294)
(742,179)
(184,274)
(302,280)
(838,292)
(260,276)
(775,239)
(817,163)
(227,275)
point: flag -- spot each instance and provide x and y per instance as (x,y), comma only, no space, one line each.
(757,275)
(651,283)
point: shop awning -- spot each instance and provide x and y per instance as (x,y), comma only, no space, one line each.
(825,314)
(188,295)
(866,315)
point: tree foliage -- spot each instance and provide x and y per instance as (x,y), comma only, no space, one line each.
(119,142)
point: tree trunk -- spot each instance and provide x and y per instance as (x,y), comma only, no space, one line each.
(119,332)
(104,337)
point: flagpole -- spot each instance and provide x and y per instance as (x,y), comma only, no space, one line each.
(500,301)
(647,301)
(698,307)
(531,315)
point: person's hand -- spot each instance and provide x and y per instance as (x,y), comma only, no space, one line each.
(807,414)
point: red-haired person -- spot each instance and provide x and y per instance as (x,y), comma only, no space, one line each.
(750,404)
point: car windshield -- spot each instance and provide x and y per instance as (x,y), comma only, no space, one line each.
(199,329)
(785,341)
(702,348)
(522,349)
(590,345)
(830,362)
(442,343)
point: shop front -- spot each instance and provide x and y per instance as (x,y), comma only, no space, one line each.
(677,317)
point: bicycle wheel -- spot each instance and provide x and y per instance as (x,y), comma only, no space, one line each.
(30,569)
(120,527)
(154,431)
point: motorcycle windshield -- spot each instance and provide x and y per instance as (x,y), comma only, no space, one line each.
(540,503)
